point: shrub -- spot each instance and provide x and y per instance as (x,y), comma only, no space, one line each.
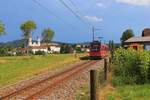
(30,52)
(4,51)
(40,53)
(131,66)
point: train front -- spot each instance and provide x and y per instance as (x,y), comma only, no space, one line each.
(95,50)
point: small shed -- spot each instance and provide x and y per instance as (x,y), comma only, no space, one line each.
(138,43)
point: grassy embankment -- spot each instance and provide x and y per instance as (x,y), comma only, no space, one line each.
(130,92)
(131,76)
(124,92)
(14,69)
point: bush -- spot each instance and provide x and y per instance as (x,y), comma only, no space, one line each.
(131,66)
(4,51)
(30,52)
(66,49)
(40,53)
(78,50)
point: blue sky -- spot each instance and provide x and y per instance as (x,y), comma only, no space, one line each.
(112,16)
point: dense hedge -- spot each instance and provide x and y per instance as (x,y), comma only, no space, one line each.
(131,67)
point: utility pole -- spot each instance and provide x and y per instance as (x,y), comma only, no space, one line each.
(93,32)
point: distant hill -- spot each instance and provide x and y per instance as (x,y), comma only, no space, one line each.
(13,44)
(20,43)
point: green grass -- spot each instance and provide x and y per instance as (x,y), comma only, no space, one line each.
(14,69)
(134,92)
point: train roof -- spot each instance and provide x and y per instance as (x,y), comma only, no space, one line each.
(97,42)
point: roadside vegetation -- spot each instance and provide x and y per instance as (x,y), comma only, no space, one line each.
(130,75)
(130,92)
(14,69)
(131,67)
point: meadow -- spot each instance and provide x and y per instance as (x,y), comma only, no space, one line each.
(14,69)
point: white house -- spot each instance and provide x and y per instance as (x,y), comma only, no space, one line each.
(55,49)
(45,47)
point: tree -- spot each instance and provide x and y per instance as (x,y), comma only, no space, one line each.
(47,35)
(65,48)
(126,35)
(2,28)
(27,28)
(111,48)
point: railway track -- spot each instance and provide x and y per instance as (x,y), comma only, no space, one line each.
(33,91)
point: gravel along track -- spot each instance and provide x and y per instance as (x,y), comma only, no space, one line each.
(68,90)
(47,85)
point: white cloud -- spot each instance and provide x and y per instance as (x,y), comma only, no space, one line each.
(93,18)
(100,5)
(135,2)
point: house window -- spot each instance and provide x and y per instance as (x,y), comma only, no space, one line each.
(147,47)
(135,47)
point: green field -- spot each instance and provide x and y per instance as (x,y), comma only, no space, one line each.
(134,92)
(14,69)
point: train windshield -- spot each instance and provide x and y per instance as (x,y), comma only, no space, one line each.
(95,46)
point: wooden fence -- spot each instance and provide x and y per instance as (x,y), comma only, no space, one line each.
(98,78)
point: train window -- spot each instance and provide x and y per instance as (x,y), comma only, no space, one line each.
(95,48)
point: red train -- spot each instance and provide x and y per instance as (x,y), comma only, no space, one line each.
(98,50)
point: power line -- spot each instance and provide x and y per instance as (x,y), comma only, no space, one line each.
(74,4)
(72,11)
(80,11)
(76,7)
(79,15)
(93,31)
(51,12)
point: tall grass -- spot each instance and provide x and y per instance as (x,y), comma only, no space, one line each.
(130,92)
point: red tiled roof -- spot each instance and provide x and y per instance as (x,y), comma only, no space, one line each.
(38,47)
